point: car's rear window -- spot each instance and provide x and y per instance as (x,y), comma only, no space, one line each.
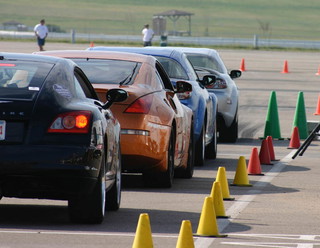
(173,68)
(22,79)
(109,71)
(205,61)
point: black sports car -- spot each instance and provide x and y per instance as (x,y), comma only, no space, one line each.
(57,140)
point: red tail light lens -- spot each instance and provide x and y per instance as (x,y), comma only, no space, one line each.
(140,106)
(71,122)
(8,65)
(218,84)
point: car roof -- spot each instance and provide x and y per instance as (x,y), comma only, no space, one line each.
(101,55)
(163,51)
(29,57)
(37,58)
(197,50)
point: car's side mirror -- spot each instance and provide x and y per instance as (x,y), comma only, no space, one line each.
(183,89)
(235,74)
(208,80)
(115,95)
(182,86)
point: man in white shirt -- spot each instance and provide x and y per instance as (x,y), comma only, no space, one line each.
(41,32)
(147,35)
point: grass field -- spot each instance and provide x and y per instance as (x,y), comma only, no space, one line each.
(277,19)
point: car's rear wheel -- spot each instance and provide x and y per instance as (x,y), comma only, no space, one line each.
(188,171)
(229,134)
(200,148)
(90,208)
(211,149)
(163,179)
(113,196)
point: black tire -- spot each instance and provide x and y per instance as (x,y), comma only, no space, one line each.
(188,171)
(113,196)
(90,208)
(200,149)
(163,179)
(211,149)
(230,134)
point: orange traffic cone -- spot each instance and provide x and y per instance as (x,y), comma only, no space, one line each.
(254,166)
(285,67)
(91,44)
(264,154)
(271,149)
(318,72)
(295,139)
(318,107)
(242,65)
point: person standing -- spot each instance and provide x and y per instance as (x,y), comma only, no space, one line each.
(147,34)
(41,32)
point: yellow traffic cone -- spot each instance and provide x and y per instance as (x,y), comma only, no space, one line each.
(143,237)
(185,239)
(222,178)
(218,205)
(208,226)
(241,176)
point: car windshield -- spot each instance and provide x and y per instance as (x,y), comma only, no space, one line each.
(200,60)
(22,79)
(173,68)
(108,71)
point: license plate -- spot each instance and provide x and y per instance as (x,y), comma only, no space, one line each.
(2,130)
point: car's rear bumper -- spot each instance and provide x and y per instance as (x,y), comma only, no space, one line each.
(146,151)
(49,172)
(227,106)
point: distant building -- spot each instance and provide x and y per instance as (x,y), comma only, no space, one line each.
(174,16)
(14,25)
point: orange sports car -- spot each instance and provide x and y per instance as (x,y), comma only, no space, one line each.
(155,127)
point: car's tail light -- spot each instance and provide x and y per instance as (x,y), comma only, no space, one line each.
(140,106)
(71,122)
(218,84)
(8,65)
(184,95)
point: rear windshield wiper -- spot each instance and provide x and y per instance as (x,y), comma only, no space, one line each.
(129,77)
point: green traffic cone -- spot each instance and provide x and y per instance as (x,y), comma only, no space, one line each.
(272,127)
(300,119)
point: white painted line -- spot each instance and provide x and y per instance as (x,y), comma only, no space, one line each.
(244,200)
(85,233)
(278,236)
(272,245)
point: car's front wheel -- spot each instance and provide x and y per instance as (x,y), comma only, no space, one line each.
(229,134)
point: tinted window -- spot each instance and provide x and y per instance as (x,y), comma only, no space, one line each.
(205,61)
(104,71)
(22,79)
(164,77)
(82,86)
(173,68)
